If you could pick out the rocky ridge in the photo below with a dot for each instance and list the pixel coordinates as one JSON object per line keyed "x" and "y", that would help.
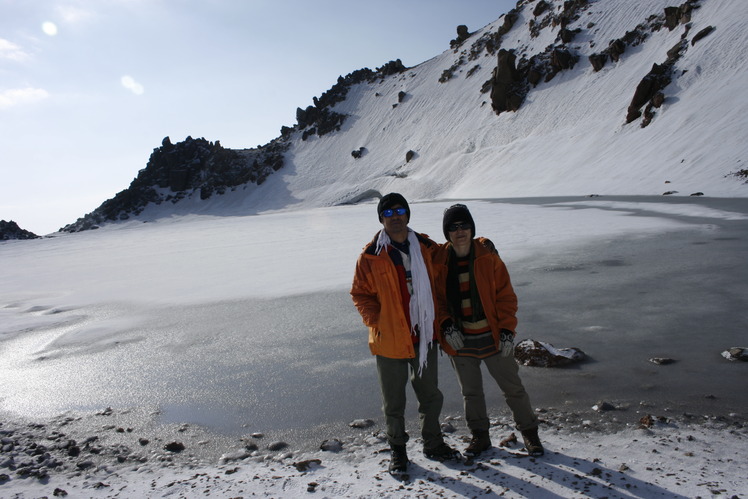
{"x": 10, "y": 230}
{"x": 205, "y": 168}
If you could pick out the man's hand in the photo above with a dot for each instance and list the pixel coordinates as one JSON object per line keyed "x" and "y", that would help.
{"x": 454, "y": 336}
{"x": 507, "y": 343}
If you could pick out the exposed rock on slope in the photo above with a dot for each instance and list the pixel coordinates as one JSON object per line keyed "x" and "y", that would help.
{"x": 175, "y": 171}
{"x": 320, "y": 119}
{"x": 11, "y": 230}
{"x": 198, "y": 166}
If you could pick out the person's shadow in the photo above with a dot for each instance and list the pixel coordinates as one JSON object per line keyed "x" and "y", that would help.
{"x": 553, "y": 476}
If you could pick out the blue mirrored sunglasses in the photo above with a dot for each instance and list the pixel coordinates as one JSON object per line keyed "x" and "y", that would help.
{"x": 396, "y": 211}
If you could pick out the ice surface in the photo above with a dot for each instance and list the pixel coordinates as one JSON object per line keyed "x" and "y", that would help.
{"x": 240, "y": 322}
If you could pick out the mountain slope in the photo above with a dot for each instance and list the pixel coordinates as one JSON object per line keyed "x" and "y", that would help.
{"x": 433, "y": 131}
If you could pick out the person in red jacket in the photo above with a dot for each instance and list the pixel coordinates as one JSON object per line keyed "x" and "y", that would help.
{"x": 393, "y": 291}
{"x": 483, "y": 305}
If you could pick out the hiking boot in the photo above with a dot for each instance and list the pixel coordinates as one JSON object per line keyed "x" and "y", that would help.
{"x": 532, "y": 442}
{"x": 399, "y": 459}
{"x": 442, "y": 452}
{"x": 481, "y": 441}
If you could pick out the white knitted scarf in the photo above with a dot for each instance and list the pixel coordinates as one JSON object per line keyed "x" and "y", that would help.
{"x": 421, "y": 301}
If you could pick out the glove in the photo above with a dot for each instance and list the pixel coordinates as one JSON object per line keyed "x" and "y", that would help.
{"x": 507, "y": 343}
{"x": 454, "y": 337}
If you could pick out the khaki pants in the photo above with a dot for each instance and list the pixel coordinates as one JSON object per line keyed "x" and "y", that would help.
{"x": 393, "y": 378}
{"x": 506, "y": 373}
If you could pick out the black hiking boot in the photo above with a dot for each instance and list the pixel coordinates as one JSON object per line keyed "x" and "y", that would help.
{"x": 532, "y": 442}
{"x": 480, "y": 442}
{"x": 442, "y": 452}
{"x": 399, "y": 459}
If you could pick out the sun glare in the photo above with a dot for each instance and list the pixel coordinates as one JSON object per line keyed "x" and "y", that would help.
{"x": 49, "y": 28}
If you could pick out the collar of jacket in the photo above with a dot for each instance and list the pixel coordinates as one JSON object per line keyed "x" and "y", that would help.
{"x": 371, "y": 248}
{"x": 481, "y": 246}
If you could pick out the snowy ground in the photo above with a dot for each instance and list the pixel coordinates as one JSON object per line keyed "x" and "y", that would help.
{"x": 700, "y": 457}
{"x": 207, "y": 330}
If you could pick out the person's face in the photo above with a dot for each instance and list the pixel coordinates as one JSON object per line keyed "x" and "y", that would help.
{"x": 396, "y": 225}
{"x": 459, "y": 235}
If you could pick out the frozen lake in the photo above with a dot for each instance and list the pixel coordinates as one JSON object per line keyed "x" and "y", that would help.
{"x": 218, "y": 323}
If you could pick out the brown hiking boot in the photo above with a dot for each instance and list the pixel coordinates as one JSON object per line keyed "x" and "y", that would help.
{"x": 481, "y": 441}
{"x": 532, "y": 442}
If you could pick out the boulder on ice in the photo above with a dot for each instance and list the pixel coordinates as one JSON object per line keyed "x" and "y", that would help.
{"x": 540, "y": 354}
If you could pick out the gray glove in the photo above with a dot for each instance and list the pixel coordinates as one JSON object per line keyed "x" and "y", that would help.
{"x": 507, "y": 343}
{"x": 454, "y": 337}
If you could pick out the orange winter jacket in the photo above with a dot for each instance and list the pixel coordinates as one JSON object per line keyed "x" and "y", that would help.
{"x": 493, "y": 283}
{"x": 376, "y": 295}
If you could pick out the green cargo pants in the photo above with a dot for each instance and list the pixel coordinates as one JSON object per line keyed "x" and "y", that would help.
{"x": 393, "y": 378}
{"x": 506, "y": 373}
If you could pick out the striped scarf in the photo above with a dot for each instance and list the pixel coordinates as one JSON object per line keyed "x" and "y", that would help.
{"x": 421, "y": 301}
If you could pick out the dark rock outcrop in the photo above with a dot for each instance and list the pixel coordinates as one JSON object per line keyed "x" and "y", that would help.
{"x": 649, "y": 91}
{"x": 507, "y": 89}
{"x": 616, "y": 48}
{"x": 654, "y": 81}
{"x": 598, "y": 61}
{"x": 701, "y": 34}
{"x": 509, "y": 19}
{"x": 11, "y": 230}
{"x": 515, "y": 74}
{"x": 736, "y": 353}
{"x": 679, "y": 15}
{"x": 320, "y": 119}
{"x": 511, "y": 80}
{"x": 540, "y": 354}
{"x": 462, "y": 35}
{"x": 540, "y": 8}
{"x": 175, "y": 171}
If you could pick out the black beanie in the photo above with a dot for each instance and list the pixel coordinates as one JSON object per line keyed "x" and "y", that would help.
{"x": 390, "y": 200}
{"x": 457, "y": 213}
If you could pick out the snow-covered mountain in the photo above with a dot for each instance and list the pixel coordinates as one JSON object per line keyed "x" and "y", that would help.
{"x": 581, "y": 97}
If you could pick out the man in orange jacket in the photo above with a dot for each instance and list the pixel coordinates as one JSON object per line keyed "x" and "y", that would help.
{"x": 483, "y": 304}
{"x": 393, "y": 290}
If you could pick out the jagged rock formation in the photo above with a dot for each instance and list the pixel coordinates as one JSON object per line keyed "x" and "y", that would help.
{"x": 649, "y": 90}
{"x": 512, "y": 80}
{"x": 198, "y": 166}
{"x": 175, "y": 171}
{"x": 319, "y": 119}
{"x": 462, "y": 35}
{"x": 11, "y": 230}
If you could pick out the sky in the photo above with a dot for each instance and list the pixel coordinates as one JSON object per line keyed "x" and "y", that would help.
{"x": 89, "y": 88}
